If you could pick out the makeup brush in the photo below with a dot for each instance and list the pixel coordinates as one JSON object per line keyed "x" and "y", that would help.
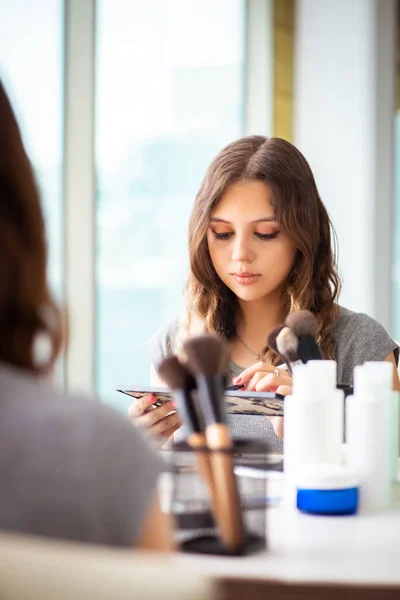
{"x": 271, "y": 339}
{"x": 304, "y": 325}
{"x": 288, "y": 346}
{"x": 271, "y": 342}
{"x": 182, "y": 383}
{"x": 207, "y": 358}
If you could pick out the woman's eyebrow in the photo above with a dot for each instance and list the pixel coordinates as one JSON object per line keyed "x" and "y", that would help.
{"x": 262, "y": 220}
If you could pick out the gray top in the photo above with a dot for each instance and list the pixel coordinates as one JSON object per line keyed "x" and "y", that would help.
{"x": 70, "y": 467}
{"x": 358, "y": 338}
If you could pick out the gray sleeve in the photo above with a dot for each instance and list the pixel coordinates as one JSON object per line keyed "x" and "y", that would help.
{"x": 127, "y": 478}
{"x": 163, "y": 342}
{"x": 362, "y": 339}
{"x": 372, "y": 340}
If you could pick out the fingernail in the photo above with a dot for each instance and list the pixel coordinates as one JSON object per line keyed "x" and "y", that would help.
{"x": 237, "y": 379}
{"x": 174, "y": 404}
{"x": 150, "y": 399}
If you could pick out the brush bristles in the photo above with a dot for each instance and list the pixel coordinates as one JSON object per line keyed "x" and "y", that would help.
{"x": 287, "y": 344}
{"x": 173, "y": 373}
{"x": 206, "y": 355}
{"x": 303, "y": 323}
{"x": 273, "y": 334}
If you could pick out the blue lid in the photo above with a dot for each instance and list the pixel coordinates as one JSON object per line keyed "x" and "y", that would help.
{"x": 328, "y": 502}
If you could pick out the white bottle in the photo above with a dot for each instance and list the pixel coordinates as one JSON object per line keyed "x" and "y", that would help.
{"x": 368, "y": 433}
{"x": 393, "y": 399}
{"x": 394, "y": 428}
{"x": 313, "y": 430}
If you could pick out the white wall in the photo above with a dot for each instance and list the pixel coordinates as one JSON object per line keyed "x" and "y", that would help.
{"x": 344, "y": 99}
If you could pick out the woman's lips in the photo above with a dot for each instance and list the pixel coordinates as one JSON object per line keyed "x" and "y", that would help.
{"x": 245, "y": 278}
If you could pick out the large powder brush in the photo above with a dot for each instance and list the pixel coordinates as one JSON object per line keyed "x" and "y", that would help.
{"x": 288, "y": 346}
{"x": 272, "y": 342}
{"x": 182, "y": 383}
{"x": 305, "y": 325}
{"x": 207, "y": 359}
{"x": 271, "y": 339}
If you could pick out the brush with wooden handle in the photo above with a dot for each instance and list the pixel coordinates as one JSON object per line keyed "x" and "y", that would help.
{"x": 182, "y": 384}
{"x": 207, "y": 358}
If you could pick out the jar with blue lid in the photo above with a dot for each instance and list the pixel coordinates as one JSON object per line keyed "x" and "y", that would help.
{"x": 327, "y": 489}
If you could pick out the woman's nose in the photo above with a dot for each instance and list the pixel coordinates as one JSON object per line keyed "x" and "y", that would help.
{"x": 242, "y": 251}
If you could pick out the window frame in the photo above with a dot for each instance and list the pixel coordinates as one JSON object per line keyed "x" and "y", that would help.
{"x": 79, "y": 163}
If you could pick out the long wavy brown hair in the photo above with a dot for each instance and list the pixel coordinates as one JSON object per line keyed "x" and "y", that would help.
{"x": 27, "y": 310}
{"x": 313, "y": 283}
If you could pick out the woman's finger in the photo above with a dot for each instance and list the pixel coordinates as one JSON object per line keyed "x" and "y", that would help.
{"x": 170, "y": 432}
{"x": 140, "y": 406}
{"x": 166, "y": 426}
{"x": 149, "y": 419}
{"x": 251, "y": 385}
{"x": 248, "y": 373}
{"x": 271, "y": 382}
{"x": 284, "y": 390}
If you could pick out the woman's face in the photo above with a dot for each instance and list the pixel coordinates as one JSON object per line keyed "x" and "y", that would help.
{"x": 249, "y": 252}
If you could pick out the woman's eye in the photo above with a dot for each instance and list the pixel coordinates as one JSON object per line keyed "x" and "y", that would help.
{"x": 222, "y": 236}
{"x": 226, "y": 235}
{"x": 267, "y": 236}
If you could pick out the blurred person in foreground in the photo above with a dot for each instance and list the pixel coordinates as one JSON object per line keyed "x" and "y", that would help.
{"x": 70, "y": 467}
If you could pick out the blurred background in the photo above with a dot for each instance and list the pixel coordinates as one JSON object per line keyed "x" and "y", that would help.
{"x": 124, "y": 103}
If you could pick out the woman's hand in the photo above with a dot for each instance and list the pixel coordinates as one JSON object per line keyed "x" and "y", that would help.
{"x": 158, "y": 423}
{"x": 262, "y": 377}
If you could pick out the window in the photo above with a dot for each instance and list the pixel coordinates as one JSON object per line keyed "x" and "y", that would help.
{"x": 31, "y": 68}
{"x": 169, "y": 95}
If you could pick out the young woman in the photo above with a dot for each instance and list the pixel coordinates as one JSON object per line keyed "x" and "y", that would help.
{"x": 70, "y": 468}
{"x": 260, "y": 245}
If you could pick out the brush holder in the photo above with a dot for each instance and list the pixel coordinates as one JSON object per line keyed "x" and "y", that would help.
{"x": 191, "y": 502}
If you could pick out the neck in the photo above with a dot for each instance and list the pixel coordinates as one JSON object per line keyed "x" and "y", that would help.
{"x": 256, "y": 319}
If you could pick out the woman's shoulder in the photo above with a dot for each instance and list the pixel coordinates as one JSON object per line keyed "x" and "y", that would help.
{"x": 350, "y": 323}
{"x": 163, "y": 342}
{"x": 69, "y": 426}
{"x": 359, "y": 338}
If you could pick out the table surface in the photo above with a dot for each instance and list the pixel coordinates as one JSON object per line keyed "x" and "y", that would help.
{"x": 363, "y": 549}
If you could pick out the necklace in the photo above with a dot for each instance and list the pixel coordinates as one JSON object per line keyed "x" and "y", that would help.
{"x": 257, "y": 355}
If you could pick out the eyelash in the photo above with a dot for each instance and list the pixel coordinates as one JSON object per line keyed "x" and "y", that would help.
{"x": 262, "y": 236}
